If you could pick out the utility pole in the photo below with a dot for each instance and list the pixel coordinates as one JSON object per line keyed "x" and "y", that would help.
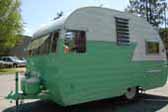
{"x": 150, "y": 11}
{"x": 165, "y": 18}
{"x": 147, "y": 17}
{"x": 165, "y": 7}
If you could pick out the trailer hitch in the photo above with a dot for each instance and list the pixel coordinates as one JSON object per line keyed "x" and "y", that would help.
{"x": 15, "y": 95}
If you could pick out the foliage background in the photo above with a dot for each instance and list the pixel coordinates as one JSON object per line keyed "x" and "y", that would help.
{"x": 10, "y": 24}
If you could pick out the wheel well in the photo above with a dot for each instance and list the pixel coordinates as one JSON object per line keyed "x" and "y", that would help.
{"x": 137, "y": 87}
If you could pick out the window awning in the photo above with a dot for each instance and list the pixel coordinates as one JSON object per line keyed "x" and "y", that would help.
{"x": 37, "y": 42}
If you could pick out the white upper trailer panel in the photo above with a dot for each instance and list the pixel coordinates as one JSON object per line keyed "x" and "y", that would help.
{"x": 100, "y": 24}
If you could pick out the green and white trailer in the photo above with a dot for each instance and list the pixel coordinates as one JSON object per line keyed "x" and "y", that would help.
{"x": 93, "y": 53}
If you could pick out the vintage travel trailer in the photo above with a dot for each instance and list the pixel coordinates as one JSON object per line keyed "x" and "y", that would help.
{"x": 91, "y": 54}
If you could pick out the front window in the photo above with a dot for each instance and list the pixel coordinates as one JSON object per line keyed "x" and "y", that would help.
{"x": 75, "y": 41}
{"x": 44, "y": 45}
{"x": 152, "y": 47}
{"x": 54, "y": 40}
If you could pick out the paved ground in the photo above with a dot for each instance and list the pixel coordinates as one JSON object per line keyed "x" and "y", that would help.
{"x": 153, "y": 101}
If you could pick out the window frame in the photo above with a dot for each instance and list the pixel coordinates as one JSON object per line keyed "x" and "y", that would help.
{"x": 53, "y": 48}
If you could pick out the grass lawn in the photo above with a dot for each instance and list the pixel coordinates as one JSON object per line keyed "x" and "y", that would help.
{"x": 11, "y": 70}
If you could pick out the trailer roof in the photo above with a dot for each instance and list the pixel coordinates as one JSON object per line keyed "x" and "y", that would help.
{"x": 59, "y": 23}
{"x": 50, "y": 27}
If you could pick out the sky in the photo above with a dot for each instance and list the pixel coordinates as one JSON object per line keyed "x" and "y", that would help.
{"x": 36, "y": 13}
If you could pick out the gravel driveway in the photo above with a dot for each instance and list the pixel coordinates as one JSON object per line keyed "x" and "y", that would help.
{"x": 152, "y": 101}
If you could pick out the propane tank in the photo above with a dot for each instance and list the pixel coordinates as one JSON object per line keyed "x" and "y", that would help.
{"x": 30, "y": 86}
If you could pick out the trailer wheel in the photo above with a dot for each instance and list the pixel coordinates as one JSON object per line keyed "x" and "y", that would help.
{"x": 131, "y": 93}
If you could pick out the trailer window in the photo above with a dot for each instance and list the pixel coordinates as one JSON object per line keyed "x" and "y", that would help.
{"x": 152, "y": 47}
{"x": 35, "y": 47}
{"x": 54, "y": 40}
{"x": 44, "y": 45}
{"x": 75, "y": 41}
{"x": 50, "y": 45}
{"x": 122, "y": 31}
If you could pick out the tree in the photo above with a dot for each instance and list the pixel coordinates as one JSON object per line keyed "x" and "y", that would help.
{"x": 164, "y": 36}
{"x": 153, "y": 10}
{"x": 10, "y": 23}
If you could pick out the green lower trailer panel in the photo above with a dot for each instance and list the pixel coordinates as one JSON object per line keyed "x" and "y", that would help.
{"x": 106, "y": 70}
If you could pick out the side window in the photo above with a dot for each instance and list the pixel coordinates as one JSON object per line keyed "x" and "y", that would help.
{"x": 75, "y": 41}
{"x": 8, "y": 59}
{"x": 152, "y": 47}
{"x": 122, "y": 31}
{"x": 3, "y": 59}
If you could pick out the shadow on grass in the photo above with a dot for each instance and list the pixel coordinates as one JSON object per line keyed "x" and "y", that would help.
{"x": 145, "y": 103}
{"x": 8, "y": 71}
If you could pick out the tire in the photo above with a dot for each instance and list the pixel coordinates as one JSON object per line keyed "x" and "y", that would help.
{"x": 131, "y": 93}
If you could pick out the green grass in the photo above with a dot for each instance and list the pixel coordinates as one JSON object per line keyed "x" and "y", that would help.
{"x": 10, "y": 70}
